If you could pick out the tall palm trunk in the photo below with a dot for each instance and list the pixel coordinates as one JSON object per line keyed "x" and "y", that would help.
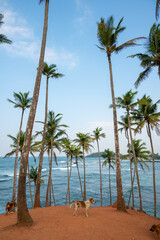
{"x": 16, "y": 160}
{"x": 154, "y": 179}
{"x": 50, "y": 175}
{"x": 135, "y": 163}
{"x": 30, "y": 189}
{"x": 53, "y": 193}
{"x": 110, "y": 185}
{"x": 23, "y": 216}
{"x": 120, "y": 197}
{"x": 67, "y": 179}
{"x": 100, "y": 172}
{"x": 84, "y": 167}
{"x": 131, "y": 172}
{"x": 131, "y": 189}
{"x": 38, "y": 184}
{"x": 79, "y": 177}
{"x": 68, "y": 187}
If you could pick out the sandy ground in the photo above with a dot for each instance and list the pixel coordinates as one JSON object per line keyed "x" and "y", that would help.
{"x": 58, "y": 223}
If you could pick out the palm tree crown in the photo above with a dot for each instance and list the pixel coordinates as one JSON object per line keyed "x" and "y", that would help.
{"x": 152, "y": 57}
{"x": 108, "y": 34}
{"x": 3, "y": 38}
{"x": 147, "y": 114}
{"x": 21, "y": 100}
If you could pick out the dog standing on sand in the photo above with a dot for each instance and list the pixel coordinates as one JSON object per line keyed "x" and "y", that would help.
{"x": 156, "y": 228}
{"x": 82, "y": 204}
{"x": 10, "y": 206}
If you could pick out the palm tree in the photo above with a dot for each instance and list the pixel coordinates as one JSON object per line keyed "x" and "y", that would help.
{"x": 23, "y": 216}
{"x": 33, "y": 148}
{"x": 96, "y": 136}
{"x": 22, "y": 101}
{"x": 107, "y": 36}
{"x": 54, "y": 136}
{"x": 3, "y": 38}
{"x": 49, "y": 72}
{"x": 33, "y": 174}
{"x": 70, "y": 152}
{"x": 78, "y": 155}
{"x": 109, "y": 158}
{"x": 157, "y": 8}
{"x": 84, "y": 140}
{"x": 127, "y": 102}
{"x": 151, "y": 58}
{"x": 142, "y": 156}
{"x": 147, "y": 114}
{"x": 125, "y": 127}
{"x": 65, "y": 145}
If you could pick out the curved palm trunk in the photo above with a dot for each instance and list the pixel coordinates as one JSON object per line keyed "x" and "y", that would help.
{"x": 154, "y": 179}
{"x": 23, "y": 216}
{"x": 84, "y": 167}
{"x": 135, "y": 163}
{"x": 79, "y": 177}
{"x": 110, "y": 185}
{"x": 38, "y": 184}
{"x": 30, "y": 189}
{"x": 68, "y": 187}
{"x": 120, "y": 197}
{"x": 131, "y": 172}
{"x": 100, "y": 172}
{"x": 16, "y": 161}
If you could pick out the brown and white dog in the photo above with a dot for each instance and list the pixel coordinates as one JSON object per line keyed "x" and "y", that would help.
{"x": 156, "y": 228}
{"x": 82, "y": 204}
{"x": 10, "y": 206}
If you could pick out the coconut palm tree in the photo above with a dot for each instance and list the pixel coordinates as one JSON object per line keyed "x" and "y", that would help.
{"x": 22, "y": 101}
{"x": 125, "y": 127}
{"x": 32, "y": 175}
{"x": 127, "y": 102}
{"x": 96, "y": 136}
{"x": 33, "y": 148}
{"x": 50, "y": 72}
{"x": 147, "y": 114}
{"x": 78, "y": 156}
{"x": 70, "y": 152}
{"x": 65, "y": 145}
{"x": 109, "y": 157}
{"x": 23, "y": 216}
{"x": 142, "y": 156}
{"x": 54, "y": 137}
{"x": 151, "y": 58}
{"x": 3, "y": 38}
{"x": 84, "y": 140}
{"x": 108, "y": 36}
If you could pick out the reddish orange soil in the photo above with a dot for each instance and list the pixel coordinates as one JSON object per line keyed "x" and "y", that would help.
{"x": 58, "y": 223}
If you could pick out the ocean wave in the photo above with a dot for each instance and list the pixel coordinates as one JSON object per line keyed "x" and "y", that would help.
{"x": 4, "y": 179}
{"x": 44, "y": 169}
{"x": 62, "y": 169}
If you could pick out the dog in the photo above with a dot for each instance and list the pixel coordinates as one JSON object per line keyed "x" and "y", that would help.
{"x": 156, "y": 228}
{"x": 82, "y": 204}
{"x": 10, "y": 206}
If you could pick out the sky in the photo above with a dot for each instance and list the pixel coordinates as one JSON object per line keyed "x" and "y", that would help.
{"x": 83, "y": 95}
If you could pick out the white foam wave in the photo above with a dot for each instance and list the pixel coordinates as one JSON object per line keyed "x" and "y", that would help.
{"x": 44, "y": 169}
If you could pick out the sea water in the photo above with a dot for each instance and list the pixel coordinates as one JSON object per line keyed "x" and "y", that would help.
{"x": 59, "y": 179}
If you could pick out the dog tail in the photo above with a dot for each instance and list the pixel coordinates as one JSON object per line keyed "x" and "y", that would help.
{"x": 71, "y": 204}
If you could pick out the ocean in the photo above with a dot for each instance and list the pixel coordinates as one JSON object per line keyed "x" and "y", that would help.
{"x": 59, "y": 178}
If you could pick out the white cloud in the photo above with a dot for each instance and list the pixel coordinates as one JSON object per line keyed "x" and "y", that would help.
{"x": 26, "y": 44}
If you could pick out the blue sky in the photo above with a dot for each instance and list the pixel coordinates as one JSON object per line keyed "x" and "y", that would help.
{"x": 83, "y": 94}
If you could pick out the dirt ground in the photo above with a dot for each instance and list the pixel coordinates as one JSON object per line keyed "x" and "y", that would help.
{"x": 58, "y": 223}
